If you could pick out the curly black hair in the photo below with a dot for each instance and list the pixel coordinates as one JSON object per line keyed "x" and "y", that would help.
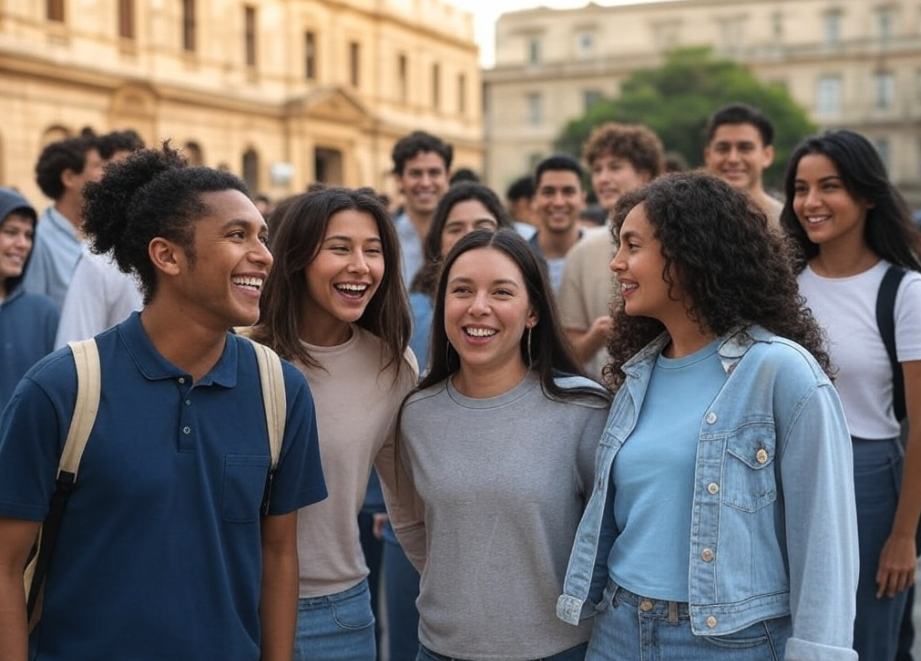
{"x": 419, "y": 142}
{"x": 153, "y": 193}
{"x": 61, "y": 155}
{"x": 733, "y": 270}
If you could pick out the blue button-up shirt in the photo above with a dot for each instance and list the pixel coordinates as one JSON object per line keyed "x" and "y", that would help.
{"x": 54, "y": 256}
{"x": 773, "y": 529}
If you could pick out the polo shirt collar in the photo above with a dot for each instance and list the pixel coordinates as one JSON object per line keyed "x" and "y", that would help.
{"x": 155, "y": 367}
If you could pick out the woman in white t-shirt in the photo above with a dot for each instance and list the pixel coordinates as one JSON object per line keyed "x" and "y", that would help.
{"x": 334, "y": 304}
{"x": 851, "y": 225}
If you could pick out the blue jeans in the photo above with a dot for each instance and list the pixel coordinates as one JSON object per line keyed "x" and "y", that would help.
{"x": 633, "y": 628}
{"x": 576, "y": 653}
{"x": 401, "y": 588}
{"x": 336, "y": 627}
{"x": 877, "y": 482}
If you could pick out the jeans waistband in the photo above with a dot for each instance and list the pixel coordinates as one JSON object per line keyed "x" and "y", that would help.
{"x": 325, "y": 600}
{"x": 674, "y": 611}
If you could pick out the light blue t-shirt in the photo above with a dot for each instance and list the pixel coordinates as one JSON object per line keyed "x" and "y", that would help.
{"x": 55, "y": 252}
{"x": 653, "y": 477}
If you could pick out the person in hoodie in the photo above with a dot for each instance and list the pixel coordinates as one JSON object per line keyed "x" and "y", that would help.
{"x": 28, "y": 322}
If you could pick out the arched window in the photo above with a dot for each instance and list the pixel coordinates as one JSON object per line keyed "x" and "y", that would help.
{"x": 251, "y": 170}
{"x": 193, "y": 153}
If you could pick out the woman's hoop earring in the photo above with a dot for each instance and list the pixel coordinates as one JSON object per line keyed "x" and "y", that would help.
{"x": 530, "y": 362}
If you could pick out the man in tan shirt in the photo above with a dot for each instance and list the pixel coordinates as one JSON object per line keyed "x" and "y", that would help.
{"x": 621, "y": 158}
{"x": 739, "y": 149}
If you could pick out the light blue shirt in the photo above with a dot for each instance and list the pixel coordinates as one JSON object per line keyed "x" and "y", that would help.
{"x": 773, "y": 519}
{"x": 653, "y": 477}
{"x": 410, "y": 248}
{"x": 54, "y": 256}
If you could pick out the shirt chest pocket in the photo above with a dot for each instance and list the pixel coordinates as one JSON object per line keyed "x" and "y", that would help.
{"x": 243, "y": 487}
{"x": 748, "y": 468}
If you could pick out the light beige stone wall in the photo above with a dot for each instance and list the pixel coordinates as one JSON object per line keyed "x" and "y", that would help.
{"x": 59, "y": 77}
{"x": 781, "y": 40}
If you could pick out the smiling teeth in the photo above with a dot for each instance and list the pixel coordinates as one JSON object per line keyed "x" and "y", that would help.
{"x": 255, "y": 283}
{"x": 351, "y": 287}
{"x": 480, "y": 332}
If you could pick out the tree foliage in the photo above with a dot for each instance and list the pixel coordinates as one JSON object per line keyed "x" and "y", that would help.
{"x": 676, "y": 99}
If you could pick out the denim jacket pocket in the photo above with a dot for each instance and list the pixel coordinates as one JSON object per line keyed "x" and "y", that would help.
{"x": 749, "y": 483}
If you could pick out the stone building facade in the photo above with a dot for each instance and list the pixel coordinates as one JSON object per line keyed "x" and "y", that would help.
{"x": 282, "y": 92}
{"x": 851, "y": 63}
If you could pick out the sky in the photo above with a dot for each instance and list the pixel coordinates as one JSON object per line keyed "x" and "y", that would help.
{"x": 486, "y": 12}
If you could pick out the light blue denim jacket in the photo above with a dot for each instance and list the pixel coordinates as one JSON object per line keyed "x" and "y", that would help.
{"x": 773, "y": 529}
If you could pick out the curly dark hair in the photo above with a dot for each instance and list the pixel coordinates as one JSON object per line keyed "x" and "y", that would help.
{"x": 113, "y": 142}
{"x": 419, "y": 142}
{"x": 634, "y": 142}
{"x": 889, "y": 230}
{"x": 296, "y": 238}
{"x": 61, "y": 155}
{"x": 733, "y": 270}
{"x": 152, "y": 193}
{"x": 426, "y": 279}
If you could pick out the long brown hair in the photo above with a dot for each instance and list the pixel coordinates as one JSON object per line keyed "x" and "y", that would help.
{"x": 297, "y": 235}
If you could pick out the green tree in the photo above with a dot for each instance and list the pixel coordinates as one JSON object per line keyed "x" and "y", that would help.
{"x": 675, "y": 100}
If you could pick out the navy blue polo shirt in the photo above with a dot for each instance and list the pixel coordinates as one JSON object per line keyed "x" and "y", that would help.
{"x": 159, "y": 554}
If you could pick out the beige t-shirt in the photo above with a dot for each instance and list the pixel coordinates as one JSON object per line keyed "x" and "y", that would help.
{"x": 356, "y": 406}
{"x": 587, "y": 288}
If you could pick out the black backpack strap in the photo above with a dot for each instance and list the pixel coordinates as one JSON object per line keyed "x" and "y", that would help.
{"x": 885, "y": 321}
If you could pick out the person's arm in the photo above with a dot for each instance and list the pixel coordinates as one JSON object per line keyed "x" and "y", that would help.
{"x": 816, "y": 468}
{"x": 897, "y": 561}
{"x": 586, "y": 343}
{"x": 16, "y": 539}
{"x": 404, "y": 507}
{"x": 278, "y": 596}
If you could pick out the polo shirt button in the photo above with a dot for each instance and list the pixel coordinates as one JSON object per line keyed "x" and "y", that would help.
{"x": 188, "y": 402}
{"x": 711, "y": 418}
{"x": 181, "y": 379}
{"x": 713, "y": 488}
{"x": 706, "y": 555}
{"x": 186, "y": 430}
{"x": 645, "y": 605}
{"x": 711, "y": 621}
{"x": 761, "y": 455}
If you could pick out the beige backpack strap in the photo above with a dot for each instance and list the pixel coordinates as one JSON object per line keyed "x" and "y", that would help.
{"x": 89, "y": 384}
{"x": 273, "y": 397}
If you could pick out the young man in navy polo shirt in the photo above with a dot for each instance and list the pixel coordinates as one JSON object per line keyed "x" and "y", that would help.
{"x": 174, "y": 544}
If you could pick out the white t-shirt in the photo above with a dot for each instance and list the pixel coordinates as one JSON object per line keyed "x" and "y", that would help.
{"x": 846, "y": 310}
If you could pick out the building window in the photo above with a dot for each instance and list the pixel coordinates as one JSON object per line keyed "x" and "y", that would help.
{"x": 777, "y": 24}
{"x": 249, "y": 28}
{"x": 885, "y": 90}
{"x": 585, "y": 44}
{"x": 535, "y": 109}
{"x": 590, "y": 98}
{"x": 54, "y": 10}
{"x": 251, "y": 170}
{"x": 193, "y": 153}
{"x": 436, "y": 86}
{"x": 885, "y": 155}
{"x": 832, "y": 28}
{"x": 188, "y": 25}
{"x": 402, "y": 70}
{"x": 310, "y": 55}
{"x": 461, "y": 94}
{"x": 126, "y": 19}
{"x": 534, "y": 50}
{"x": 885, "y": 24}
{"x": 354, "y": 63}
{"x": 828, "y": 96}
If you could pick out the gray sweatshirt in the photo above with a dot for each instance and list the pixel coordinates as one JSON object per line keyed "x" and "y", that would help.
{"x": 500, "y": 485}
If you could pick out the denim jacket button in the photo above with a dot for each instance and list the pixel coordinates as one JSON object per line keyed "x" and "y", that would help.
{"x": 706, "y": 555}
{"x": 711, "y": 418}
{"x": 761, "y": 456}
{"x": 711, "y": 621}
{"x": 713, "y": 488}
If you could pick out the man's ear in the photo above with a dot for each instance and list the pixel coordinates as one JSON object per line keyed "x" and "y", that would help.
{"x": 166, "y": 256}
{"x": 69, "y": 178}
{"x": 768, "y": 156}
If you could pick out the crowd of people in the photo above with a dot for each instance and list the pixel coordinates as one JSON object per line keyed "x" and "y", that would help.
{"x": 691, "y": 431}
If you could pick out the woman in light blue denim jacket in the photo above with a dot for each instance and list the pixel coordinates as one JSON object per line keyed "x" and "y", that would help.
{"x": 722, "y": 523}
